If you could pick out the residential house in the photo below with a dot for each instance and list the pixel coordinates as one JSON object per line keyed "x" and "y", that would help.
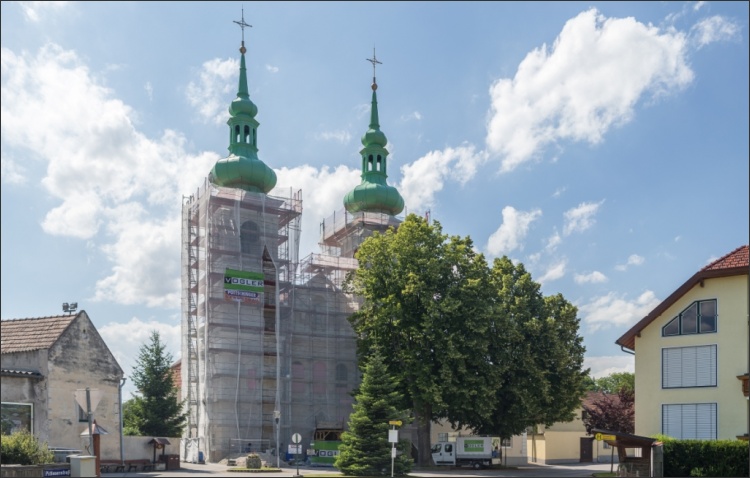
{"x": 691, "y": 356}
{"x": 44, "y": 362}
{"x": 568, "y": 442}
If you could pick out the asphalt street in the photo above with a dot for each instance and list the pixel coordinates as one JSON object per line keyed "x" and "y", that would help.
{"x": 531, "y": 470}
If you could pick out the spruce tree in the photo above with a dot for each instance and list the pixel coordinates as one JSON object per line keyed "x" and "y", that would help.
{"x": 365, "y": 450}
{"x": 155, "y": 409}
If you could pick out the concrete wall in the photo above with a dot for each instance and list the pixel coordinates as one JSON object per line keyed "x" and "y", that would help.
{"x": 731, "y": 294}
{"x": 138, "y": 448}
{"x": 80, "y": 359}
{"x": 28, "y": 390}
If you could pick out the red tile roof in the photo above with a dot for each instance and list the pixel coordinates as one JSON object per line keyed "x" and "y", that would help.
{"x": 734, "y": 263}
{"x": 736, "y": 258}
{"x": 25, "y": 335}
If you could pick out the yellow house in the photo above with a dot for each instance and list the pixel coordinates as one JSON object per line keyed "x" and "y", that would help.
{"x": 691, "y": 356}
{"x": 568, "y": 442}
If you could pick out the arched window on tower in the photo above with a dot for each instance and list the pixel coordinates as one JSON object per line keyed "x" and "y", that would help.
{"x": 247, "y": 134}
{"x": 249, "y": 236}
{"x": 237, "y": 133}
{"x": 377, "y": 166}
{"x": 369, "y": 163}
{"x": 255, "y": 137}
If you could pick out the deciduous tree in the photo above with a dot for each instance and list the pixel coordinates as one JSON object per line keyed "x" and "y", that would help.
{"x": 610, "y": 411}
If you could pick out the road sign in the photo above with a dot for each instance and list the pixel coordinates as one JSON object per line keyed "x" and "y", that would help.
{"x": 295, "y": 449}
{"x": 392, "y": 436}
{"x": 395, "y": 422}
{"x": 600, "y": 437}
{"x": 94, "y": 395}
{"x": 296, "y": 438}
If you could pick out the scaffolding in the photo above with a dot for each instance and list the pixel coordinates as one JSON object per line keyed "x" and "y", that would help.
{"x": 292, "y": 349}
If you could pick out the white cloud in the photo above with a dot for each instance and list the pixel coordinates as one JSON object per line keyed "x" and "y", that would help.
{"x": 713, "y": 29}
{"x": 552, "y": 242}
{"x": 698, "y": 5}
{"x": 613, "y": 311}
{"x": 511, "y": 233}
{"x": 594, "y": 277}
{"x": 426, "y": 176}
{"x": 633, "y": 260}
{"x": 340, "y": 136}
{"x": 558, "y": 192}
{"x": 124, "y": 340}
{"x": 33, "y": 10}
{"x": 208, "y": 94}
{"x": 11, "y": 172}
{"x": 416, "y": 115}
{"x": 272, "y": 69}
{"x": 581, "y": 217}
{"x": 323, "y": 191}
{"x": 149, "y": 90}
{"x": 554, "y": 272}
{"x": 589, "y": 81}
{"x": 104, "y": 172}
{"x": 603, "y": 366}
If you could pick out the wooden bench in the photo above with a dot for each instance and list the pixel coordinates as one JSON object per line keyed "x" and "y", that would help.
{"x": 145, "y": 465}
{"x": 111, "y": 466}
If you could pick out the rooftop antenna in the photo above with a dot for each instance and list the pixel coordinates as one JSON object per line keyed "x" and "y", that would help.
{"x": 242, "y": 25}
{"x": 69, "y": 308}
{"x": 374, "y": 61}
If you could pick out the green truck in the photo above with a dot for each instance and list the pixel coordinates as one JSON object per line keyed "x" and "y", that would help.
{"x": 323, "y": 453}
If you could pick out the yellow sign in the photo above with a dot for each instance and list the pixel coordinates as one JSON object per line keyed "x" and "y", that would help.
{"x": 601, "y": 437}
{"x": 395, "y": 422}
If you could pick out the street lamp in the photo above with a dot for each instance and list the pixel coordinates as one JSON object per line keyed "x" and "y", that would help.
{"x": 276, "y": 417}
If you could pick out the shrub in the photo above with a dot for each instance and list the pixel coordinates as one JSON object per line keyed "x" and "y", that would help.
{"x": 22, "y": 448}
{"x": 253, "y": 462}
{"x": 705, "y": 457}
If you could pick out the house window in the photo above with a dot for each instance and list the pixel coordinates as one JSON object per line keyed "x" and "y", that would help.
{"x": 698, "y": 318}
{"x": 507, "y": 443}
{"x": 683, "y": 367}
{"x": 689, "y": 421}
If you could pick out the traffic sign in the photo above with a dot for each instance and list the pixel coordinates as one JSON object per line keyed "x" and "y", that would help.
{"x": 600, "y": 437}
{"x": 296, "y": 438}
{"x": 395, "y": 422}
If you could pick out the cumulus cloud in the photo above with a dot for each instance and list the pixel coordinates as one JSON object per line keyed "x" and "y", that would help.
{"x": 11, "y": 172}
{"x": 604, "y": 365}
{"x": 713, "y": 29}
{"x": 554, "y": 272}
{"x": 33, "y": 11}
{"x": 633, "y": 260}
{"x": 272, "y": 69}
{"x": 594, "y": 277}
{"x": 581, "y": 217}
{"x": 88, "y": 139}
{"x": 612, "y": 310}
{"x": 426, "y": 176}
{"x": 416, "y": 115}
{"x": 587, "y": 82}
{"x": 511, "y": 233}
{"x": 208, "y": 93}
{"x": 124, "y": 340}
{"x": 322, "y": 193}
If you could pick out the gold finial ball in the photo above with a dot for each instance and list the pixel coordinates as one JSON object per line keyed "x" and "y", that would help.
{"x": 243, "y": 49}
{"x": 374, "y": 86}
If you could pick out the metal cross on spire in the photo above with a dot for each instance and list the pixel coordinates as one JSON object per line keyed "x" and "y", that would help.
{"x": 242, "y": 25}
{"x": 374, "y": 62}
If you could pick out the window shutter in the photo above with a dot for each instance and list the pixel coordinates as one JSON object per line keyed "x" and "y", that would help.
{"x": 706, "y": 366}
{"x": 689, "y": 366}
{"x": 672, "y": 420}
{"x": 671, "y": 368}
{"x": 689, "y": 421}
{"x": 705, "y": 421}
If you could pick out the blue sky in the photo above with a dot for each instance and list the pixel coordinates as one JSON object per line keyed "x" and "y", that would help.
{"x": 602, "y": 144}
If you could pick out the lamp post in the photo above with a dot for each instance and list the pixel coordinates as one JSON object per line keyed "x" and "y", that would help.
{"x": 276, "y": 417}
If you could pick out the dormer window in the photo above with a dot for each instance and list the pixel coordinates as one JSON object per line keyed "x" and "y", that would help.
{"x": 698, "y": 318}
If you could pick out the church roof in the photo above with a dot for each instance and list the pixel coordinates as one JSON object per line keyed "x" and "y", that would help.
{"x": 25, "y": 335}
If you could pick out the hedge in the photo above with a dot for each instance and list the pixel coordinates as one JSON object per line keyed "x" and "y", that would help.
{"x": 705, "y": 457}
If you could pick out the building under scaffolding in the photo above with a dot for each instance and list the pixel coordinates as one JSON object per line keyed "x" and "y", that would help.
{"x": 267, "y": 348}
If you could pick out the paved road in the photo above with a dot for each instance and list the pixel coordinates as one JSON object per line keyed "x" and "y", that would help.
{"x": 193, "y": 471}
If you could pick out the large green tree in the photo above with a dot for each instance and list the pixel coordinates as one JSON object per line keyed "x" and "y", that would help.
{"x": 426, "y": 299}
{"x": 612, "y": 383}
{"x": 365, "y": 449}
{"x": 154, "y": 410}
{"x": 538, "y": 352}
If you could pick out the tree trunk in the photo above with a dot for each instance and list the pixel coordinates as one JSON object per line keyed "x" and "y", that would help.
{"x": 422, "y": 414}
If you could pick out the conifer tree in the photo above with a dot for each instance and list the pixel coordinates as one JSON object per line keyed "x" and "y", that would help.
{"x": 365, "y": 450}
{"x": 155, "y": 410}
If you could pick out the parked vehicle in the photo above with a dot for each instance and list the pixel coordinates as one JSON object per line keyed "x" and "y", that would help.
{"x": 473, "y": 451}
